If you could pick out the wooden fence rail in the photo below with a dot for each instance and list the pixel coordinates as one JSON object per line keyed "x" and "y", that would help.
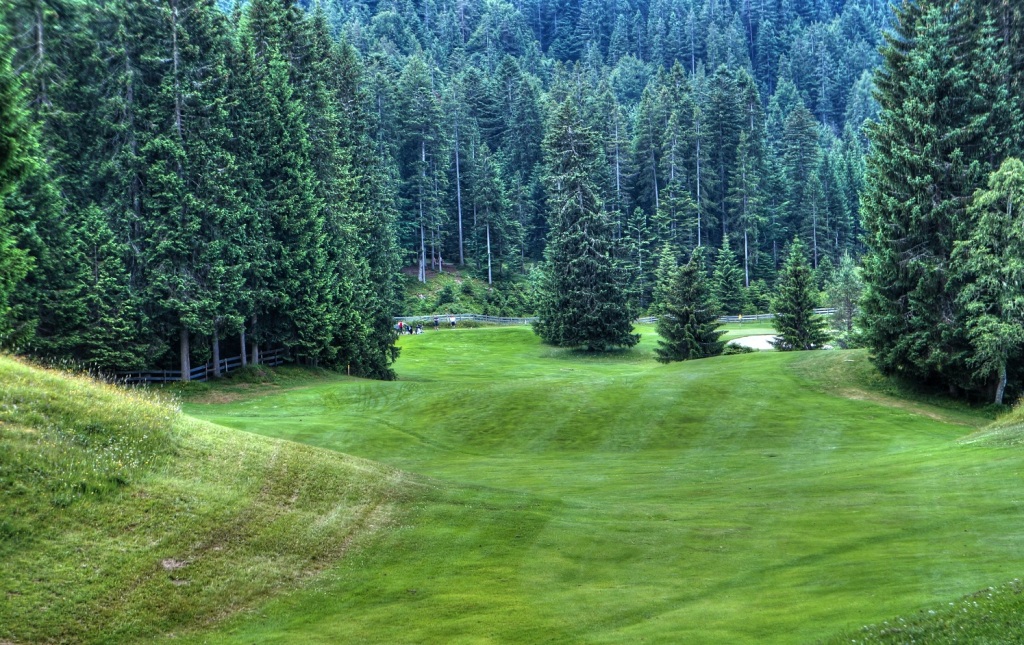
{"x": 270, "y": 358}
{"x": 503, "y": 320}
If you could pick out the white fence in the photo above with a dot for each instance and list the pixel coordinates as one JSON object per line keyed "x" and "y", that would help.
{"x": 503, "y": 320}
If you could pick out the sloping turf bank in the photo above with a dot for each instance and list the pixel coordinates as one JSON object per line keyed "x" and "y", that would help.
{"x": 124, "y": 520}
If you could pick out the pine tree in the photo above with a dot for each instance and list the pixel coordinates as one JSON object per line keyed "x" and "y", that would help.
{"x": 665, "y": 272}
{"x": 688, "y": 319}
{"x": 14, "y": 130}
{"x": 745, "y": 200}
{"x": 727, "y": 282}
{"x": 793, "y": 305}
{"x": 931, "y": 149}
{"x": 421, "y": 151}
{"x": 991, "y": 278}
{"x": 583, "y": 306}
{"x": 844, "y": 291}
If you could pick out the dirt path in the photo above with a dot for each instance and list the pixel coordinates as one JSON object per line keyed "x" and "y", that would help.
{"x": 760, "y": 343}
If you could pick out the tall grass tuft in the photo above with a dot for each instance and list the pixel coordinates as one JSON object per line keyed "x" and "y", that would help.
{"x": 65, "y": 437}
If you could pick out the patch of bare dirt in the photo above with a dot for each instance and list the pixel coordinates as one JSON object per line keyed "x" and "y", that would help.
{"x": 172, "y": 564}
{"x": 856, "y": 394}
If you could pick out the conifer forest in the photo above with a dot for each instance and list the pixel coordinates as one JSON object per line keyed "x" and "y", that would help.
{"x": 193, "y": 178}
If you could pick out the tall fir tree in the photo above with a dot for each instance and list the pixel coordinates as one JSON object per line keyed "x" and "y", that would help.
{"x": 918, "y": 185}
{"x": 727, "y": 282}
{"x": 583, "y": 305}
{"x": 14, "y": 131}
{"x": 990, "y": 265}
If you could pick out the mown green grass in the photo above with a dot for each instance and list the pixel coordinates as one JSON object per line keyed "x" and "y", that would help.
{"x": 121, "y": 520}
{"x": 760, "y": 498}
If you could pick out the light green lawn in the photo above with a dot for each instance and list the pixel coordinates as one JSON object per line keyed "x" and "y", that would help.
{"x": 760, "y": 498}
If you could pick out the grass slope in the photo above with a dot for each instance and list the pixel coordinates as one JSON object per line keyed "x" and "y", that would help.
{"x": 123, "y": 520}
{"x": 762, "y": 498}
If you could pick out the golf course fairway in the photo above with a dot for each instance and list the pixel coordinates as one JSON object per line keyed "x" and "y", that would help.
{"x": 567, "y": 498}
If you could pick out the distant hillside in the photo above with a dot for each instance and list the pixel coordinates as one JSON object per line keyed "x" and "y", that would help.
{"x": 125, "y": 520}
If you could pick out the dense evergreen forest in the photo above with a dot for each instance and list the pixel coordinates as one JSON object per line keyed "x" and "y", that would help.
{"x": 189, "y": 175}
{"x": 254, "y": 174}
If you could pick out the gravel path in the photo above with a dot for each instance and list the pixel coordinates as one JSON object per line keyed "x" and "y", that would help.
{"x": 759, "y": 343}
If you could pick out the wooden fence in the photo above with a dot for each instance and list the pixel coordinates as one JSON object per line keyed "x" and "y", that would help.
{"x": 270, "y": 358}
{"x": 502, "y": 320}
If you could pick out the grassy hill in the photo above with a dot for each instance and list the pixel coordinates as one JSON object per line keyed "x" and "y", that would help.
{"x": 559, "y": 497}
{"x": 761, "y": 498}
{"x": 124, "y": 520}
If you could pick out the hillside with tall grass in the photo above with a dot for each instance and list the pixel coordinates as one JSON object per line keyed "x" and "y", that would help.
{"x": 124, "y": 520}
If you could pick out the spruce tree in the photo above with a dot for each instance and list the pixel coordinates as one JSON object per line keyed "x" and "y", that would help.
{"x": 688, "y": 319}
{"x": 941, "y": 100}
{"x": 14, "y": 131}
{"x": 844, "y": 292}
{"x": 990, "y": 266}
{"x": 583, "y": 305}
{"x": 664, "y": 274}
{"x": 727, "y": 282}
{"x": 793, "y": 305}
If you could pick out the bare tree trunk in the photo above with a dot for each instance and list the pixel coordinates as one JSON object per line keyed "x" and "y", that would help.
{"x": 245, "y": 357}
{"x": 176, "y": 60}
{"x": 746, "y": 263}
{"x": 423, "y": 235}
{"x": 654, "y": 166}
{"x": 423, "y": 253}
{"x": 216, "y": 352}
{"x": 699, "y": 197}
{"x": 255, "y": 348}
{"x": 186, "y": 364}
{"x": 458, "y": 195}
{"x": 43, "y": 98}
{"x": 814, "y": 233}
{"x": 489, "y": 281}
{"x": 1001, "y": 388}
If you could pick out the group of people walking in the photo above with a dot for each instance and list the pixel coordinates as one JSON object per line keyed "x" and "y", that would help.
{"x": 403, "y": 327}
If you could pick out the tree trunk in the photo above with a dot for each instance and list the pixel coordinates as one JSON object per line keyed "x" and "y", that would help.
{"x": 654, "y": 166}
{"x": 746, "y": 262}
{"x": 489, "y": 281}
{"x": 216, "y": 352}
{"x": 423, "y": 234}
{"x": 458, "y": 195}
{"x": 255, "y": 349}
{"x": 1001, "y": 388}
{"x": 814, "y": 233}
{"x": 186, "y": 364}
{"x": 423, "y": 254}
{"x": 698, "y": 183}
{"x": 245, "y": 357}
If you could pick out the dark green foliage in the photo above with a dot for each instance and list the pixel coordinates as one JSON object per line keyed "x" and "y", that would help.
{"x": 582, "y": 305}
{"x": 844, "y": 291}
{"x": 990, "y": 278}
{"x": 727, "y": 282}
{"x": 14, "y": 163}
{"x": 258, "y": 173}
{"x": 688, "y": 320}
{"x": 945, "y": 121}
{"x": 793, "y": 305}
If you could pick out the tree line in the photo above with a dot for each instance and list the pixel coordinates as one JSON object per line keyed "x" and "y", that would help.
{"x": 198, "y": 175}
{"x": 193, "y": 182}
{"x": 942, "y": 199}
